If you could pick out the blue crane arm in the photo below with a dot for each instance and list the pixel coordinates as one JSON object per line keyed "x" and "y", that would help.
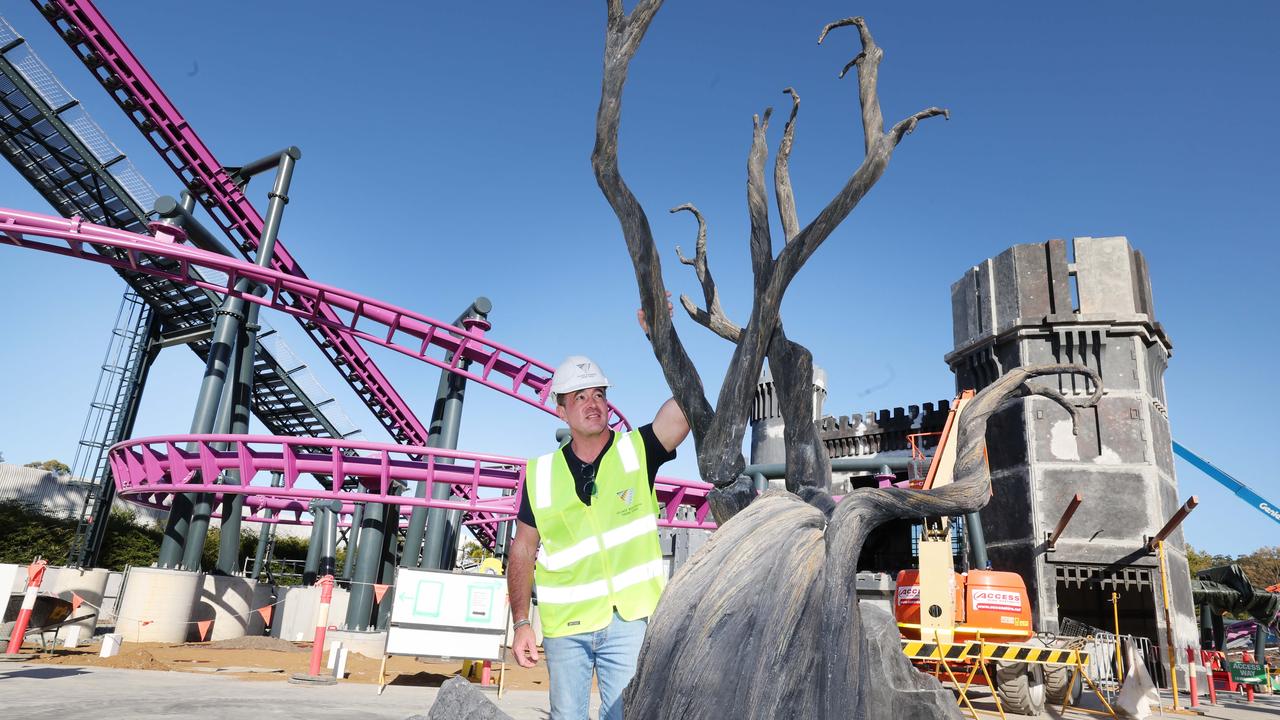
{"x": 1244, "y": 492}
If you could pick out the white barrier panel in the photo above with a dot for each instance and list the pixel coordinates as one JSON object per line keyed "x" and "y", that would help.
{"x": 443, "y": 614}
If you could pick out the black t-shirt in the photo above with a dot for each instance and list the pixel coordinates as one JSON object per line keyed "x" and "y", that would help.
{"x": 655, "y": 455}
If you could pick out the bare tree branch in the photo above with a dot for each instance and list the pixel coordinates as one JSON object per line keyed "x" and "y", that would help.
{"x": 792, "y": 367}
{"x": 908, "y": 125}
{"x": 782, "y": 173}
{"x": 868, "y": 63}
{"x": 622, "y": 37}
{"x": 713, "y": 318}
{"x": 757, "y": 204}
{"x": 879, "y": 151}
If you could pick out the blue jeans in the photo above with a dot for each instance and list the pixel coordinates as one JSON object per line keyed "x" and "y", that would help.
{"x": 610, "y": 652}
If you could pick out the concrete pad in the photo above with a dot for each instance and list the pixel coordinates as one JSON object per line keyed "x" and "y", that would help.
{"x": 82, "y": 693}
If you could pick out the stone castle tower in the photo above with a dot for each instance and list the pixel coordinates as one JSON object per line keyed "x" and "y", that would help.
{"x": 1036, "y": 304}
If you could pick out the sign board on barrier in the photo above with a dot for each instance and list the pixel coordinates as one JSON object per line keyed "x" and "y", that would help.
{"x": 446, "y": 614}
{"x": 1247, "y": 672}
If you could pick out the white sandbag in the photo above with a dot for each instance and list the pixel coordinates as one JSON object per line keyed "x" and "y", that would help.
{"x": 1138, "y": 694}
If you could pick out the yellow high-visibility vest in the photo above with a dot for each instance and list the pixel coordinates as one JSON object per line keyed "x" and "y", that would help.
{"x": 599, "y": 557}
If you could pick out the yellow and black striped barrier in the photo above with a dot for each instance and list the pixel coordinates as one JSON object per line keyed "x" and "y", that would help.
{"x": 1030, "y": 654}
{"x": 920, "y": 650}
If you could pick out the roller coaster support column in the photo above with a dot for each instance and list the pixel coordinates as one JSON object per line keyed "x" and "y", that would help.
{"x": 193, "y": 551}
{"x": 368, "y": 563}
{"x": 390, "y": 556}
{"x": 264, "y": 536}
{"x": 446, "y": 418}
{"x": 1206, "y": 627}
{"x": 353, "y": 541}
{"x": 175, "y": 551}
{"x": 241, "y": 402}
{"x": 315, "y": 545}
{"x": 329, "y": 536}
{"x": 175, "y": 547}
{"x": 1260, "y": 642}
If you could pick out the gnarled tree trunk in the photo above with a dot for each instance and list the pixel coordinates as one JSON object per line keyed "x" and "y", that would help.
{"x": 763, "y": 622}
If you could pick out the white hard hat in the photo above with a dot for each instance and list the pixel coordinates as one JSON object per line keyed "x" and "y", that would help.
{"x": 575, "y": 373}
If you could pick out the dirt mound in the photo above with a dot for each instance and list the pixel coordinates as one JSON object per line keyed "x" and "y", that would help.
{"x": 133, "y": 660}
{"x": 256, "y": 643}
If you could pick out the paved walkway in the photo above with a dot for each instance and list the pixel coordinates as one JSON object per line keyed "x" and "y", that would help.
{"x": 84, "y": 693}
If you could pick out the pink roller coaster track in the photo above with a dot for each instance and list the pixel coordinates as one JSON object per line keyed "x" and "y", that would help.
{"x": 151, "y": 470}
{"x": 334, "y": 318}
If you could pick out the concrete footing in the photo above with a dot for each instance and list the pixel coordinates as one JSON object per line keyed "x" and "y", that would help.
{"x": 157, "y": 605}
{"x": 295, "y": 615}
{"x": 225, "y": 601}
{"x": 90, "y": 585}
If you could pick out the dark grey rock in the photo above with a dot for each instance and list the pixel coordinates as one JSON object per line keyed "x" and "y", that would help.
{"x": 897, "y": 690}
{"x": 460, "y": 700}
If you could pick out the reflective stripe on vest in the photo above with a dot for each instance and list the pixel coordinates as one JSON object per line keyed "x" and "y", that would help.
{"x": 599, "y": 557}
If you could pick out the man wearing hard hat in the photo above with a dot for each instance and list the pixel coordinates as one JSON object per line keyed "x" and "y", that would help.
{"x": 592, "y": 506}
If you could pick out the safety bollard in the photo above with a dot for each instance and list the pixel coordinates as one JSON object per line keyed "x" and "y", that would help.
{"x": 313, "y": 676}
{"x": 35, "y": 575}
{"x": 322, "y": 622}
{"x": 1213, "y": 685}
{"x": 1192, "y": 668}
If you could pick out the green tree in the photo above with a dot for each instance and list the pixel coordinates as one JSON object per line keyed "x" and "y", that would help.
{"x": 1262, "y": 566}
{"x": 1198, "y": 560}
{"x": 54, "y": 466}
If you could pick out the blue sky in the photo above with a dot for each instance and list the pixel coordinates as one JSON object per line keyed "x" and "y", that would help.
{"x": 446, "y": 155}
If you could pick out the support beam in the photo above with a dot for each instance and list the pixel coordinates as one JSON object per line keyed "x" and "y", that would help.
{"x": 267, "y": 529}
{"x": 353, "y": 541}
{"x": 315, "y": 544}
{"x": 446, "y": 421}
{"x": 390, "y": 558}
{"x": 368, "y": 565}
{"x": 180, "y": 529}
{"x": 1062, "y": 521}
{"x": 1173, "y": 523}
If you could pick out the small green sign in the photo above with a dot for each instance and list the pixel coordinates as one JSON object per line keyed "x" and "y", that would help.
{"x": 1247, "y": 672}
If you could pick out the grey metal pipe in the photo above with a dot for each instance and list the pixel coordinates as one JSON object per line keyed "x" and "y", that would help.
{"x": 977, "y": 541}
{"x": 452, "y": 535}
{"x": 446, "y": 421}
{"x": 329, "y": 551}
{"x": 390, "y": 556}
{"x": 315, "y": 544}
{"x": 854, "y": 464}
{"x": 172, "y": 212}
{"x": 260, "y": 555}
{"x": 226, "y": 329}
{"x": 368, "y": 565}
{"x": 202, "y": 509}
{"x": 217, "y": 367}
{"x": 241, "y": 399}
{"x": 353, "y": 540}
{"x": 1206, "y": 627}
{"x": 266, "y": 162}
{"x": 277, "y": 199}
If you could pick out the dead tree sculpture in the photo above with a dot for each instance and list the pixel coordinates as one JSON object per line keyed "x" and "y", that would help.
{"x": 763, "y": 622}
{"x": 718, "y": 432}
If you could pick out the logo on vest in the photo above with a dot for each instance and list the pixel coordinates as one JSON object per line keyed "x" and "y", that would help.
{"x": 627, "y": 496}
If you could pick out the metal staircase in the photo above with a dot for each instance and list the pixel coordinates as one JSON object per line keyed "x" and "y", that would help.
{"x": 110, "y": 420}
{"x": 58, "y": 148}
